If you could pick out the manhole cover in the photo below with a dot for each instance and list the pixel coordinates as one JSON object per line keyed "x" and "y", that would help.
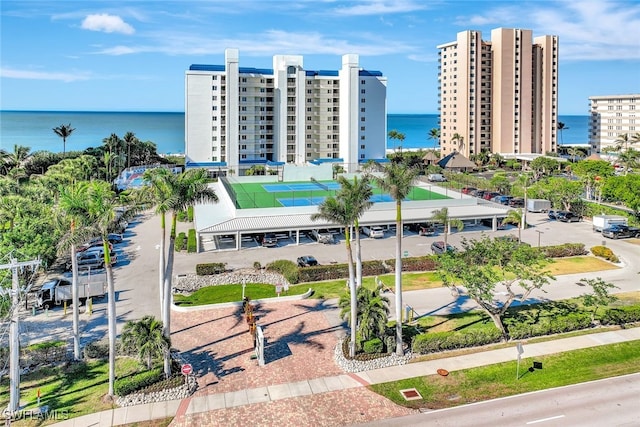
{"x": 443, "y": 372}
{"x": 410, "y": 394}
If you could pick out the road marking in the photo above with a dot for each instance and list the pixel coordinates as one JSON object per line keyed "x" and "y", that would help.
{"x": 545, "y": 419}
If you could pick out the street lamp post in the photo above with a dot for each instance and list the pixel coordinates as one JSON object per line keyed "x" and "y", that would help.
{"x": 539, "y": 233}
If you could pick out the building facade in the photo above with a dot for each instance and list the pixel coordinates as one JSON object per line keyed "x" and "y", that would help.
{"x": 499, "y": 95}
{"x": 612, "y": 117}
{"x": 238, "y": 117}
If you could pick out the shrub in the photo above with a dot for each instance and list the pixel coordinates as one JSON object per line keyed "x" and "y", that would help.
{"x": 190, "y": 214}
{"x": 287, "y": 268}
{"x": 171, "y": 382}
{"x": 337, "y": 271}
{"x": 192, "y": 244}
{"x": 373, "y": 346}
{"x": 621, "y": 316}
{"x": 604, "y": 252}
{"x": 565, "y": 250}
{"x": 441, "y": 341}
{"x": 181, "y": 241}
{"x": 210, "y": 268}
{"x": 96, "y": 350}
{"x": 422, "y": 263}
{"x": 135, "y": 382}
{"x": 558, "y": 324}
{"x": 257, "y": 265}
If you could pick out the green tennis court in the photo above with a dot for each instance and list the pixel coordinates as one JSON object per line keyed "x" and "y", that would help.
{"x": 305, "y": 193}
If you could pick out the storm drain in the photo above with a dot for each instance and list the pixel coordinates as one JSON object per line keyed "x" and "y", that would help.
{"x": 410, "y": 394}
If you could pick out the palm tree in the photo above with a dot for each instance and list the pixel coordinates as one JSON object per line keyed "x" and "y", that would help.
{"x": 372, "y": 312}
{"x": 101, "y": 209}
{"x": 72, "y": 202}
{"x": 359, "y": 193}
{"x": 187, "y": 189}
{"x": 629, "y": 158}
{"x": 574, "y": 152}
{"x": 146, "y": 338}
{"x": 341, "y": 211}
{"x": 129, "y": 139}
{"x": 18, "y": 158}
{"x": 398, "y": 181}
{"x": 562, "y": 127}
{"x": 399, "y": 136}
{"x": 64, "y": 132}
{"x": 442, "y": 216}
{"x": 622, "y": 142}
{"x": 457, "y": 137}
{"x": 434, "y": 133}
{"x": 113, "y": 144}
{"x": 514, "y": 216}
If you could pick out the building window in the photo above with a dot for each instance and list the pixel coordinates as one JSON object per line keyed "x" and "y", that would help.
{"x": 362, "y": 147}
{"x": 362, "y": 82}
{"x": 362, "y": 119}
{"x": 214, "y": 87}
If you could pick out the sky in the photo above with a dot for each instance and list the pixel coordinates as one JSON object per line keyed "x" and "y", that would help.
{"x": 132, "y": 55}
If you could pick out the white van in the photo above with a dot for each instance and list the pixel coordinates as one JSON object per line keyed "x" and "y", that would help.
{"x": 436, "y": 177}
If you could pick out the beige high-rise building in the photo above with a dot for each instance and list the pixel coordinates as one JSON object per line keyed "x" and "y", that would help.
{"x": 613, "y": 116}
{"x": 499, "y": 95}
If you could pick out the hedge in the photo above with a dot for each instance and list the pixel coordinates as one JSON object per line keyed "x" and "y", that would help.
{"x": 422, "y": 263}
{"x": 337, "y": 271}
{"x": 210, "y": 268}
{"x": 133, "y": 383}
{"x": 192, "y": 244}
{"x": 621, "y": 316}
{"x": 556, "y": 325}
{"x": 565, "y": 250}
{"x": 604, "y": 252}
{"x": 373, "y": 346}
{"x": 180, "y": 241}
{"x": 190, "y": 214}
{"x": 441, "y": 341}
{"x": 287, "y": 268}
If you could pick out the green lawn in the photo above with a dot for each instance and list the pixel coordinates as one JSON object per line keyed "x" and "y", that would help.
{"x": 499, "y": 380}
{"x": 232, "y": 293}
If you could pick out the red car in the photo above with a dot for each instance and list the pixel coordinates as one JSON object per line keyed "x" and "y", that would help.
{"x": 490, "y": 195}
{"x": 467, "y": 190}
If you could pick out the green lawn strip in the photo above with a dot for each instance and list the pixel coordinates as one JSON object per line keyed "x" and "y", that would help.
{"x": 77, "y": 389}
{"x": 579, "y": 264}
{"x": 499, "y": 380}
{"x": 232, "y": 293}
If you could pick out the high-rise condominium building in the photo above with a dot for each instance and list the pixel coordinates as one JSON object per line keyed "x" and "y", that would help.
{"x": 613, "y": 117}
{"x": 499, "y": 95}
{"x": 237, "y": 117}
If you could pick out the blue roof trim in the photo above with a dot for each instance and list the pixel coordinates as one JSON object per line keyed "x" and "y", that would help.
{"x": 272, "y": 163}
{"x": 204, "y": 67}
{"x": 327, "y": 73}
{"x": 370, "y": 73}
{"x": 252, "y": 70}
{"x": 205, "y": 164}
{"x": 326, "y": 160}
{"x": 252, "y": 162}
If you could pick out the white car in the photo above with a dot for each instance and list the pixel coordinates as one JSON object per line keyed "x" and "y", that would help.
{"x": 374, "y": 232}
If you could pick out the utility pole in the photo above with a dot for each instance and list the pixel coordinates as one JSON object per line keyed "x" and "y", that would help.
{"x": 14, "y": 329}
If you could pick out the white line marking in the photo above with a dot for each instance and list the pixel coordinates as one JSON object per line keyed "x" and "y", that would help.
{"x": 546, "y": 419}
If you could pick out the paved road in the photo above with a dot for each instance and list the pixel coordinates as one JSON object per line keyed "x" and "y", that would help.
{"x": 608, "y": 402}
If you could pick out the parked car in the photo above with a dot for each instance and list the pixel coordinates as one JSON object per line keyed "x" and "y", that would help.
{"x": 490, "y": 195}
{"x": 436, "y": 177}
{"x": 95, "y": 243}
{"x": 374, "y": 232}
{"x": 438, "y": 247}
{"x": 269, "y": 240}
{"x": 552, "y": 214}
{"x": 467, "y": 190}
{"x": 478, "y": 193}
{"x": 323, "y": 236}
{"x": 91, "y": 259}
{"x": 427, "y": 229}
{"x": 488, "y": 222}
{"x": 516, "y": 202}
{"x": 307, "y": 261}
{"x": 503, "y": 200}
{"x": 619, "y": 231}
{"x": 566, "y": 216}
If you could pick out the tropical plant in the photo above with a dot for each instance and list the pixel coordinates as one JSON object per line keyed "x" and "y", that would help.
{"x": 434, "y": 133}
{"x": 442, "y": 216}
{"x": 397, "y": 136}
{"x": 460, "y": 139}
{"x": 145, "y": 337}
{"x": 130, "y": 139}
{"x": 341, "y": 211}
{"x": 622, "y": 142}
{"x": 574, "y": 153}
{"x": 629, "y": 159}
{"x": 372, "y": 312}
{"x": 514, "y": 216}
{"x": 64, "y": 132}
{"x": 562, "y": 127}
{"x": 397, "y": 181}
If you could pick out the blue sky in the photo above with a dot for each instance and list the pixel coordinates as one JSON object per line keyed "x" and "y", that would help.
{"x": 132, "y": 55}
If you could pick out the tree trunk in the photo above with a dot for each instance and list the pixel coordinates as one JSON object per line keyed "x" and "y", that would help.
{"x": 352, "y": 294}
{"x": 399, "y": 343}
{"x": 358, "y": 255}
{"x": 76, "y": 304}
{"x": 497, "y": 320}
{"x": 166, "y": 319}
{"x": 111, "y": 311}
{"x": 162, "y": 262}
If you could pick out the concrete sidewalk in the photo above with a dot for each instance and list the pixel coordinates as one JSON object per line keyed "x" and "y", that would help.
{"x": 200, "y": 404}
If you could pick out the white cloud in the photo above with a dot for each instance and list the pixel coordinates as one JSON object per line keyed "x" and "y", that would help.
{"x": 107, "y": 23}
{"x": 378, "y": 7}
{"x": 11, "y": 73}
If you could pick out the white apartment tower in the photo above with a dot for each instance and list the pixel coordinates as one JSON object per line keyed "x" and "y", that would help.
{"x": 499, "y": 95}
{"x": 237, "y": 117}
{"x": 612, "y": 116}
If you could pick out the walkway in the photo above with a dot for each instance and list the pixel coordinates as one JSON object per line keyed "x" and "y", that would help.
{"x": 326, "y": 401}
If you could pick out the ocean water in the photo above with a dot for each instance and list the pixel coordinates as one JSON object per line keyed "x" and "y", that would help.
{"x": 35, "y": 129}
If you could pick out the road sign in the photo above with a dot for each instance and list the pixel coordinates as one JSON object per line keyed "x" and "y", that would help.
{"x": 187, "y": 369}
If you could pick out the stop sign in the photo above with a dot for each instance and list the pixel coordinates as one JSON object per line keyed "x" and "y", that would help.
{"x": 187, "y": 369}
